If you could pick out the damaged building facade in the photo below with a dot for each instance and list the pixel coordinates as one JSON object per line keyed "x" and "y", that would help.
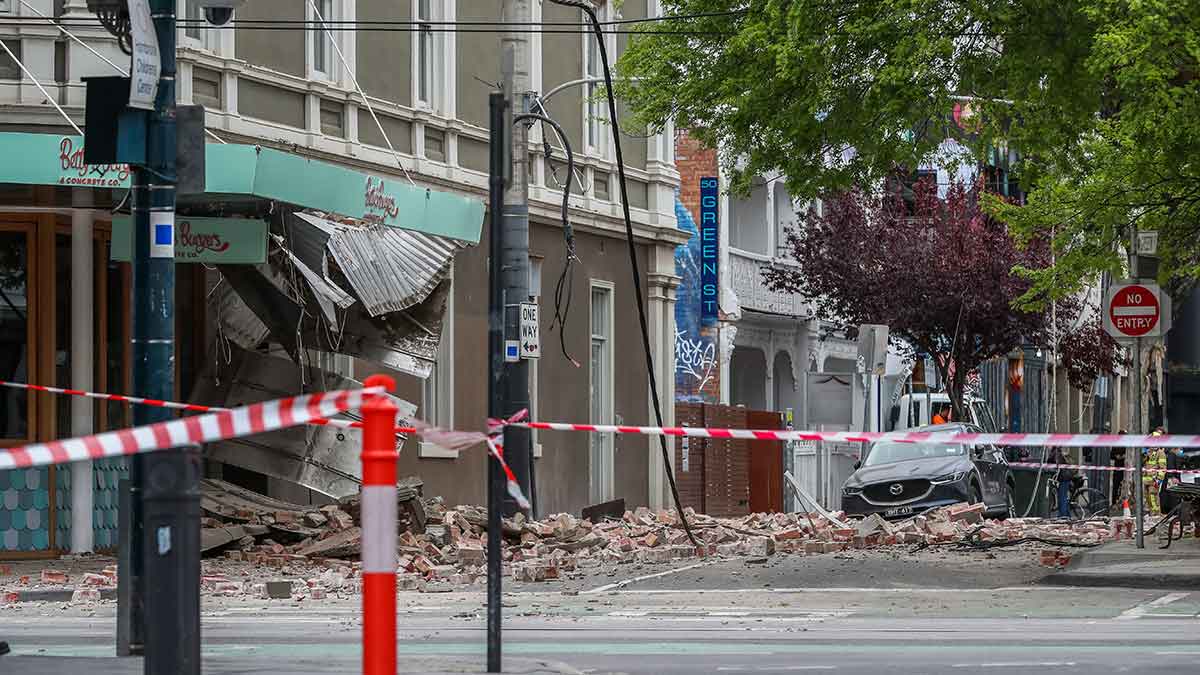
{"x": 338, "y": 236}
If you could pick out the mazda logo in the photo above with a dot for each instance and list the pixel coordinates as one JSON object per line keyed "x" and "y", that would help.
{"x": 896, "y": 488}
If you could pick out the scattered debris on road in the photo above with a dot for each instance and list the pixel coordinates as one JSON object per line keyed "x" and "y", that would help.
{"x": 286, "y": 551}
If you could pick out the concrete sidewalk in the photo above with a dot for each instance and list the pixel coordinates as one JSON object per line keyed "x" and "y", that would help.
{"x": 1120, "y": 563}
{"x": 433, "y": 665}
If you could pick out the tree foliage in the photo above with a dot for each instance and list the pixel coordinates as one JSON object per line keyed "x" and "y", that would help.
{"x": 1100, "y": 97}
{"x": 940, "y": 275}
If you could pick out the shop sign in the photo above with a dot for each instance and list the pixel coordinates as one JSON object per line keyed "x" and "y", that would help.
{"x": 72, "y": 170}
{"x": 378, "y": 205}
{"x": 216, "y": 241}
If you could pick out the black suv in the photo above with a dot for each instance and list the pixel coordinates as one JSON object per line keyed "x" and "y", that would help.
{"x": 897, "y": 479}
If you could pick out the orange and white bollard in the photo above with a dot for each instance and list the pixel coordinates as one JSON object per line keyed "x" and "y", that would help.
{"x": 379, "y": 530}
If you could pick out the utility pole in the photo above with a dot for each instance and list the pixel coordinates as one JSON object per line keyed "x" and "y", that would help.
{"x": 166, "y": 527}
{"x": 514, "y": 232}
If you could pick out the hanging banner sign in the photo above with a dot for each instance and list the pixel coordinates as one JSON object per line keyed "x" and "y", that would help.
{"x": 709, "y": 251}
{"x": 216, "y": 241}
{"x": 143, "y": 75}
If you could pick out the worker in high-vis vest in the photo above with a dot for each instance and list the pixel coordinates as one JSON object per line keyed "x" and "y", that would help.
{"x": 1154, "y": 465}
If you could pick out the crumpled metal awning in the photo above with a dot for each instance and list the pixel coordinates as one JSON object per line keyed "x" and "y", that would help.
{"x": 388, "y": 269}
{"x": 348, "y": 287}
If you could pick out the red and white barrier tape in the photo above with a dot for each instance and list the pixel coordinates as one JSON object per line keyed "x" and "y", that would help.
{"x": 252, "y": 419}
{"x": 174, "y": 405}
{"x": 514, "y": 488}
{"x": 1013, "y": 439}
{"x": 1089, "y": 467}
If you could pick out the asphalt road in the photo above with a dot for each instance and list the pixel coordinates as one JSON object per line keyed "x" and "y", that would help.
{"x": 930, "y": 611}
{"x": 682, "y": 629}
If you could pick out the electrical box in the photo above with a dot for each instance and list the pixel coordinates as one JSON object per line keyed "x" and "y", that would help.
{"x": 113, "y": 132}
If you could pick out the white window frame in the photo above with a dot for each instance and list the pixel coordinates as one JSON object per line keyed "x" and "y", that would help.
{"x": 218, "y": 40}
{"x": 437, "y": 66}
{"x": 601, "y": 448}
{"x": 331, "y": 70}
{"x": 437, "y": 390}
{"x": 595, "y": 110}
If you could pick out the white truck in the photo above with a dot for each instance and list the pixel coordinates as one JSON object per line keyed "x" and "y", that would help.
{"x": 916, "y": 410}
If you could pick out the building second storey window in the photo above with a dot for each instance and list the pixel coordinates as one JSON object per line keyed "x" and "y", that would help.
{"x": 322, "y": 57}
{"x": 595, "y": 107}
{"x": 197, "y": 32}
{"x": 593, "y": 70}
{"x": 432, "y": 54}
{"x": 425, "y": 56}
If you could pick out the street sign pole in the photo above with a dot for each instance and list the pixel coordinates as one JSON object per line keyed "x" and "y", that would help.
{"x": 496, "y": 372}
{"x": 1135, "y": 310}
{"x": 1140, "y": 496}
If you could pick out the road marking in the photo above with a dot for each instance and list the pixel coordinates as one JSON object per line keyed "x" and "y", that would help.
{"x": 773, "y": 668}
{"x": 1144, "y": 608}
{"x": 695, "y": 615}
{"x": 1018, "y": 664}
{"x": 726, "y": 591}
{"x": 1177, "y": 653}
{"x": 626, "y": 582}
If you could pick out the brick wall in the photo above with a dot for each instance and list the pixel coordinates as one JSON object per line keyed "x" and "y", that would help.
{"x": 694, "y": 161}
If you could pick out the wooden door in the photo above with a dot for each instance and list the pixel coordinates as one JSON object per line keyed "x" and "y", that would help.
{"x": 766, "y": 464}
{"x": 689, "y": 457}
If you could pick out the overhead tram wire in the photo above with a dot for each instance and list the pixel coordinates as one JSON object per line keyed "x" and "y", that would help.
{"x": 413, "y": 25}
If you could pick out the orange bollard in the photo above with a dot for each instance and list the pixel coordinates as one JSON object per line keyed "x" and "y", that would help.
{"x": 379, "y": 531}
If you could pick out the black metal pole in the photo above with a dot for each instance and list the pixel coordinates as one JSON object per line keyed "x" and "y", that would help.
{"x": 169, "y": 481}
{"x": 496, "y": 373}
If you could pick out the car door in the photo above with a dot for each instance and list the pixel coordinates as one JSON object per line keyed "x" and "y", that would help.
{"x": 990, "y": 469}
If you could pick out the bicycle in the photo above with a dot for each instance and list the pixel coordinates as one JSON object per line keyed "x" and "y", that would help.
{"x": 1085, "y": 502}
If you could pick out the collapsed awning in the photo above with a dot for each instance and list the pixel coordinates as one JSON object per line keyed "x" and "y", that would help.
{"x": 389, "y": 270}
{"x": 345, "y": 287}
{"x": 321, "y": 458}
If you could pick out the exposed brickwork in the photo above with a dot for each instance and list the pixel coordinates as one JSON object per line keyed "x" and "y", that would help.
{"x": 691, "y": 482}
{"x": 694, "y": 161}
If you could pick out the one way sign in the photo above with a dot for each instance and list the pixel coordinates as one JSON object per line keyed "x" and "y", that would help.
{"x": 531, "y": 342}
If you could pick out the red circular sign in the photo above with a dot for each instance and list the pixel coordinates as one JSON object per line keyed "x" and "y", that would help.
{"x": 1134, "y": 310}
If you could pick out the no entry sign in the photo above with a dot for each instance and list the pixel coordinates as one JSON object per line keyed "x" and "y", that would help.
{"x": 1136, "y": 309}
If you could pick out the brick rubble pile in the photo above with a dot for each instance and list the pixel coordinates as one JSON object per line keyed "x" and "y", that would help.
{"x": 318, "y": 556}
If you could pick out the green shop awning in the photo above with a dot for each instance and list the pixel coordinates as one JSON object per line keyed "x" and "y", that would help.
{"x": 251, "y": 171}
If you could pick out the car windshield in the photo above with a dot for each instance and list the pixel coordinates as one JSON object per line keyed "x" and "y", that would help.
{"x": 887, "y": 452}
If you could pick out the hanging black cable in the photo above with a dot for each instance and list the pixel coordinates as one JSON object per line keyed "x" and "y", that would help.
{"x": 633, "y": 261}
{"x": 562, "y": 290}
{"x": 566, "y": 280}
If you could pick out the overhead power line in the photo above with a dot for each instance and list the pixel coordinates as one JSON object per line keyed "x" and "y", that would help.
{"x": 356, "y": 28}
{"x": 617, "y": 26}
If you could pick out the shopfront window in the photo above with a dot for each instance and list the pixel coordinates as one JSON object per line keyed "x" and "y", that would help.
{"x": 14, "y": 333}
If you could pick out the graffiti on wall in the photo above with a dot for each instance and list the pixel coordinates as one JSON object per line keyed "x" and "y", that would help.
{"x": 697, "y": 365}
{"x": 695, "y": 358}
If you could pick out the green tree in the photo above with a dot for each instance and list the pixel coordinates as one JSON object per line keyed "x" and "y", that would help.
{"x": 1100, "y": 98}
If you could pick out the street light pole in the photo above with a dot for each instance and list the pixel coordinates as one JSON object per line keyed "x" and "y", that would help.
{"x": 168, "y": 482}
{"x": 514, "y": 254}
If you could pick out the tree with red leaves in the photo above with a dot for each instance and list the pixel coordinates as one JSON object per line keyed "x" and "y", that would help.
{"x": 939, "y": 273}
